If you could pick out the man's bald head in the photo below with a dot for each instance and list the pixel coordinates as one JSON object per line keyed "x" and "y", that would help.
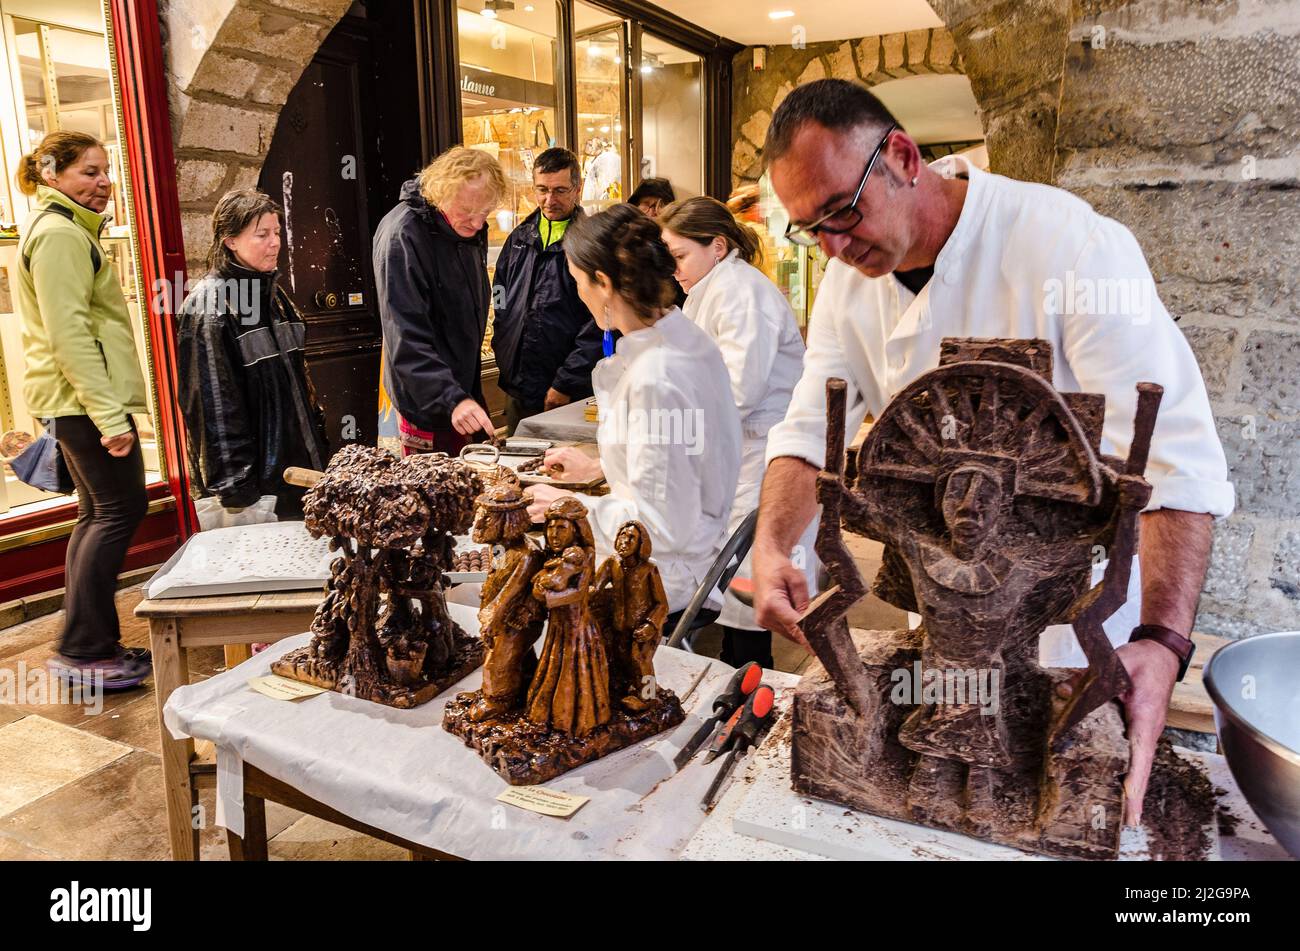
{"x": 835, "y": 104}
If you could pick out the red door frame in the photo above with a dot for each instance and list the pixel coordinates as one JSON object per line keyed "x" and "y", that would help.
{"x": 142, "y": 78}
{"x": 137, "y": 53}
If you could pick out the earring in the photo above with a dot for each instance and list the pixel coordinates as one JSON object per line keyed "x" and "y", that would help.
{"x": 607, "y": 341}
{"x": 914, "y": 177}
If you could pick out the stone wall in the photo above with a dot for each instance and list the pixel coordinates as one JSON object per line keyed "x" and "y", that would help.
{"x": 231, "y": 65}
{"x": 1178, "y": 117}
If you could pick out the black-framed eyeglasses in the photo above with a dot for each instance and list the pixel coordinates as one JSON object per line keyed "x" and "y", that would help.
{"x": 843, "y": 219}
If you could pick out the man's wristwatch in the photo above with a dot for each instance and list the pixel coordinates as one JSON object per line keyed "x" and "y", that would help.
{"x": 1181, "y": 646}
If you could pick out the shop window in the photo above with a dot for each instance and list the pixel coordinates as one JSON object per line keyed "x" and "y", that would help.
{"x": 672, "y": 116}
{"x": 508, "y": 95}
{"x": 796, "y": 270}
{"x": 57, "y": 78}
{"x": 598, "y": 62}
{"x": 509, "y": 100}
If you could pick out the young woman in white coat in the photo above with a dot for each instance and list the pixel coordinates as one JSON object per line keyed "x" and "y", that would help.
{"x": 749, "y": 318}
{"x": 669, "y": 432}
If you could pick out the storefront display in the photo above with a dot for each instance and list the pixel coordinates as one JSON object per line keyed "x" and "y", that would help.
{"x": 58, "y": 78}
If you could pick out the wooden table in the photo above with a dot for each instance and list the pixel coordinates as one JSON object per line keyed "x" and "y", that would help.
{"x": 1190, "y": 708}
{"x": 567, "y": 423}
{"x": 252, "y": 846}
{"x": 234, "y": 622}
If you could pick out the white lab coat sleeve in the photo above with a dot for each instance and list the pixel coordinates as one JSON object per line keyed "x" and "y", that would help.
{"x": 664, "y": 488}
{"x": 1127, "y": 337}
{"x": 802, "y": 434}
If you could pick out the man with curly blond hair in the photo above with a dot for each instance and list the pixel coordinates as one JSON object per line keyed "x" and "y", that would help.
{"x": 430, "y": 256}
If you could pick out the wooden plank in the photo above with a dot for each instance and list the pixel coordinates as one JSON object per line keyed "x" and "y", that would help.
{"x": 261, "y": 785}
{"x": 1190, "y": 706}
{"x": 236, "y": 654}
{"x": 246, "y": 628}
{"x": 227, "y": 604}
{"x": 188, "y": 607}
{"x": 170, "y": 671}
{"x": 290, "y": 600}
{"x": 252, "y": 845}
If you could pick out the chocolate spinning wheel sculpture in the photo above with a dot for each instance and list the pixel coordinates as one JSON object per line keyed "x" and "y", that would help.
{"x": 993, "y": 498}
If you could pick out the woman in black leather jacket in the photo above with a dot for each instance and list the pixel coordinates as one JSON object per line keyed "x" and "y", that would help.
{"x": 250, "y": 410}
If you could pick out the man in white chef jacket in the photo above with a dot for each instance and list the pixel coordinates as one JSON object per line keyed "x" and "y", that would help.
{"x": 945, "y": 250}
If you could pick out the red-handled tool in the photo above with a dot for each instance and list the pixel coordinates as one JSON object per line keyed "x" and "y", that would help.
{"x": 732, "y": 697}
{"x": 739, "y": 735}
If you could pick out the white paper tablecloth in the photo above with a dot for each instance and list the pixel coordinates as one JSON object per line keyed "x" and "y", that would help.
{"x": 567, "y": 423}
{"x": 399, "y": 771}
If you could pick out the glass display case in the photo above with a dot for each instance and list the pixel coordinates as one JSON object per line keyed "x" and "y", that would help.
{"x": 58, "y": 78}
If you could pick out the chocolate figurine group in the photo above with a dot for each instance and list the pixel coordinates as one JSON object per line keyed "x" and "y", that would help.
{"x": 992, "y": 497}
{"x": 592, "y": 690}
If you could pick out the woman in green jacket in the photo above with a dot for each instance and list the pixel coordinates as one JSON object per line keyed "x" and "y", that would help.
{"x": 83, "y": 373}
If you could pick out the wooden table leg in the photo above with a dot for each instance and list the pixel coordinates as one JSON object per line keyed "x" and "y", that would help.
{"x": 251, "y": 847}
{"x": 170, "y": 671}
{"x": 236, "y": 654}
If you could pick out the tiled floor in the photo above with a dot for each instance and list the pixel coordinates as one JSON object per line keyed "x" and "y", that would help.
{"x": 83, "y": 783}
{"x": 80, "y": 783}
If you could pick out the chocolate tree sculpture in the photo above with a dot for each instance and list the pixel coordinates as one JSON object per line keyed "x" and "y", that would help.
{"x": 383, "y": 631}
{"x": 993, "y": 499}
{"x": 592, "y": 691}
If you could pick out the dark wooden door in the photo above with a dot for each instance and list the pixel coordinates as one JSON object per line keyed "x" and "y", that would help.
{"x": 347, "y": 137}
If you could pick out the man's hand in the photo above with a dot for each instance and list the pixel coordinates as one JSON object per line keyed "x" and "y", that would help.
{"x": 574, "y": 464}
{"x": 780, "y": 595}
{"x": 1153, "y": 669}
{"x": 543, "y": 496}
{"x": 555, "y": 398}
{"x": 469, "y": 418}
{"x": 119, "y": 445}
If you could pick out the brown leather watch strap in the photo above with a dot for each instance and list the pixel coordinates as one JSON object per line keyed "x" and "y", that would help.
{"x": 1182, "y": 646}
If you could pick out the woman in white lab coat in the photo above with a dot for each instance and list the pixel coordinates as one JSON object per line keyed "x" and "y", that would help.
{"x": 669, "y": 433}
{"x": 749, "y": 318}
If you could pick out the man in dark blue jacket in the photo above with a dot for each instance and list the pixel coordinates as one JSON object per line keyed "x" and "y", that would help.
{"x": 544, "y": 338}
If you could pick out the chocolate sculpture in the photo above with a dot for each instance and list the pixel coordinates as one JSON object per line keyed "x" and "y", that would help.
{"x": 383, "y": 631}
{"x": 592, "y": 691}
{"x": 993, "y": 499}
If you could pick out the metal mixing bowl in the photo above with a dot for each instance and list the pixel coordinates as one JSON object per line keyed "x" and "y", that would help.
{"x": 1255, "y": 686}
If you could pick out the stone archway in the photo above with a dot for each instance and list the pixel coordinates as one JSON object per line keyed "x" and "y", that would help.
{"x": 1012, "y": 53}
{"x": 232, "y": 64}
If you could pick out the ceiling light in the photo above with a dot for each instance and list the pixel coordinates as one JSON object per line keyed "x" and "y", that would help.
{"x": 492, "y": 7}
{"x": 780, "y": 14}
{"x": 490, "y": 14}
{"x": 529, "y": 8}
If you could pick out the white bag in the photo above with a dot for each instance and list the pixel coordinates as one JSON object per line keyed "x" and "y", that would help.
{"x": 212, "y": 515}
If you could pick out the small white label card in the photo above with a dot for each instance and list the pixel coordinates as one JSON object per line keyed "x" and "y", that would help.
{"x": 543, "y": 801}
{"x": 282, "y": 688}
